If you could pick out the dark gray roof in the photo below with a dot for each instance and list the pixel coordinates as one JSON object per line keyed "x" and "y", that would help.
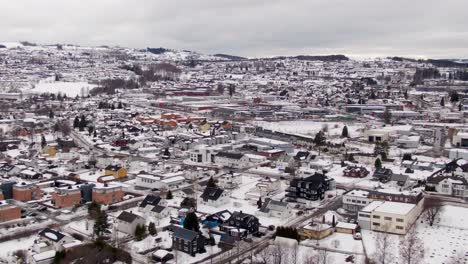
{"x": 212, "y": 193}
{"x": 399, "y": 177}
{"x": 230, "y": 155}
{"x": 51, "y": 234}
{"x": 158, "y": 209}
{"x": 185, "y": 234}
{"x": 150, "y": 200}
{"x": 127, "y": 217}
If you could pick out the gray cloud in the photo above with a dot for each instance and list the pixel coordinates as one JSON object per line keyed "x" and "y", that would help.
{"x": 431, "y": 28}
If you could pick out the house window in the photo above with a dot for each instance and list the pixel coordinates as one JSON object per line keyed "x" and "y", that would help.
{"x": 399, "y": 227}
{"x": 375, "y": 224}
{"x": 399, "y": 220}
{"x": 387, "y": 218}
{"x": 376, "y": 216}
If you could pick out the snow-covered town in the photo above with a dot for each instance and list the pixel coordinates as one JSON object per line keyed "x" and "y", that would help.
{"x": 123, "y": 155}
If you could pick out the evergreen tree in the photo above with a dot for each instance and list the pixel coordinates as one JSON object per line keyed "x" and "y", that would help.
{"x": 140, "y": 232}
{"x": 152, "y": 229}
{"x": 407, "y": 156}
{"x": 454, "y": 96}
{"x": 333, "y": 221}
{"x": 211, "y": 183}
{"x": 344, "y": 132}
{"x": 378, "y": 163}
{"x": 119, "y": 106}
{"x": 460, "y": 107}
{"x": 101, "y": 225}
{"x": 95, "y": 133}
{"x": 43, "y": 141}
{"x": 387, "y": 116}
{"x": 169, "y": 195}
{"x": 442, "y": 102}
{"x": 191, "y": 222}
{"x": 90, "y": 130}
{"x": 112, "y": 106}
{"x": 319, "y": 139}
{"x": 82, "y": 123}
{"x": 76, "y": 122}
{"x": 259, "y": 202}
{"x": 51, "y": 114}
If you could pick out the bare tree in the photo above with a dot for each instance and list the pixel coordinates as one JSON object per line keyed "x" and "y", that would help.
{"x": 383, "y": 253}
{"x": 278, "y": 254}
{"x": 432, "y": 206}
{"x": 411, "y": 247}
{"x": 322, "y": 256}
{"x": 293, "y": 254}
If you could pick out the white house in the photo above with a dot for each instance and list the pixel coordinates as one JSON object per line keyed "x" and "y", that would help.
{"x": 128, "y": 221}
{"x": 355, "y": 200}
{"x": 214, "y": 196}
{"x": 273, "y": 208}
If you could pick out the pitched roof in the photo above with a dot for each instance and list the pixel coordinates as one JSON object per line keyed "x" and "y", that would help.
{"x": 158, "y": 209}
{"x": 127, "y": 217}
{"x": 113, "y": 168}
{"x": 150, "y": 200}
{"x": 212, "y": 193}
{"x": 185, "y": 234}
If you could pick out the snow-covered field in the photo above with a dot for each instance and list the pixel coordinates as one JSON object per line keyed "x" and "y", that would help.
{"x": 9, "y": 247}
{"x": 71, "y": 89}
{"x": 311, "y": 127}
{"x": 445, "y": 242}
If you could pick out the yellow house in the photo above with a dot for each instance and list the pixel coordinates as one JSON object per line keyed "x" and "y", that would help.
{"x": 50, "y": 150}
{"x": 315, "y": 231}
{"x": 116, "y": 171}
{"x": 346, "y": 228}
{"x": 204, "y": 126}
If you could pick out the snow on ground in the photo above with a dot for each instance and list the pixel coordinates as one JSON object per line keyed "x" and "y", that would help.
{"x": 9, "y": 247}
{"x": 71, "y": 89}
{"x": 311, "y": 127}
{"x": 345, "y": 242}
{"x": 445, "y": 242}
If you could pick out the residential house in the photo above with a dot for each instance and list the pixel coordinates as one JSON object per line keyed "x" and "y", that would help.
{"x": 127, "y": 222}
{"x": 382, "y": 174}
{"x": 355, "y": 200}
{"x": 355, "y": 172}
{"x": 241, "y": 225}
{"x": 214, "y": 196}
{"x": 454, "y": 185}
{"x": 273, "y": 208}
{"x": 231, "y": 159}
{"x": 310, "y": 188}
{"x": 53, "y": 240}
{"x": 116, "y": 171}
{"x": 188, "y": 241}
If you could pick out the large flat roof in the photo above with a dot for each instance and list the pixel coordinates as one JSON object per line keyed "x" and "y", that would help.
{"x": 394, "y": 208}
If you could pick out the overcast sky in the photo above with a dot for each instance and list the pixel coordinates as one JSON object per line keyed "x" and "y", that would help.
{"x": 253, "y": 28}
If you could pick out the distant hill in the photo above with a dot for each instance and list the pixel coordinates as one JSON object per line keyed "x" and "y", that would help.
{"x": 229, "y": 57}
{"x": 334, "y": 58}
{"x": 447, "y": 63}
{"x": 2, "y": 46}
{"x": 157, "y": 50}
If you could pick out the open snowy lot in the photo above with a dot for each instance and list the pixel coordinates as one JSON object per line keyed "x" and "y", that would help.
{"x": 445, "y": 242}
{"x": 311, "y": 127}
{"x": 71, "y": 89}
